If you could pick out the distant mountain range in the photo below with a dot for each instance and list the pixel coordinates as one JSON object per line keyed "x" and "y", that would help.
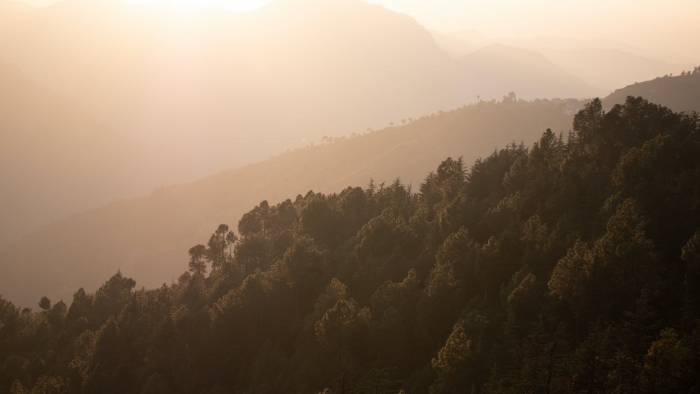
{"x": 499, "y": 67}
{"x": 610, "y": 68}
{"x": 228, "y": 89}
{"x": 194, "y": 91}
{"x": 605, "y": 65}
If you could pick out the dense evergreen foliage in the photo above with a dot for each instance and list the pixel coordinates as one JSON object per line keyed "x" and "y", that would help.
{"x": 570, "y": 266}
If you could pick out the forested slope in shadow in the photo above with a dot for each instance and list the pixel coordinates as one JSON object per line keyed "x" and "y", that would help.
{"x": 570, "y": 265}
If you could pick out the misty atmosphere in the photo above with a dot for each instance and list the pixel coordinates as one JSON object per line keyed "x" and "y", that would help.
{"x": 349, "y": 196}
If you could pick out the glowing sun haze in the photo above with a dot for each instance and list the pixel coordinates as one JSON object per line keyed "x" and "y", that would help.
{"x": 668, "y": 27}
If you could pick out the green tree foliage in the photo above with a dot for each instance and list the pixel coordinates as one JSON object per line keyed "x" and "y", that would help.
{"x": 452, "y": 363}
{"x": 197, "y": 264}
{"x": 691, "y": 256}
{"x": 218, "y": 246}
{"x": 571, "y": 266}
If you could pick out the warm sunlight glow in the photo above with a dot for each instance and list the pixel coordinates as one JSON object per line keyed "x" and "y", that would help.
{"x": 665, "y": 29}
{"x": 349, "y": 196}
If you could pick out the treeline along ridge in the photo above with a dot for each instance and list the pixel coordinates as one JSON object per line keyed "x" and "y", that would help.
{"x": 569, "y": 266}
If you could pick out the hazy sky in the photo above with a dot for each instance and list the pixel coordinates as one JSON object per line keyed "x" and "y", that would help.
{"x": 663, "y": 25}
{"x": 669, "y": 25}
{"x": 537, "y": 17}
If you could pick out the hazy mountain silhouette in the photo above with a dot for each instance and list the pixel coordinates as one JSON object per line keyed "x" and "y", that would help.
{"x": 56, "y": 159}
{"x": 461, "y": 42}
{"x": 148, "y": 237}
{"x": 603, "y": 64}
{"x": 610, "y": 68}
{"x": 498, "y": 67}
{"x": 667, "y": 54}
{"x": 679, "y": 93}
{"x": 230, "y": 89}
{"x": 202, "y": 90}
{"x": 226, "y": 89}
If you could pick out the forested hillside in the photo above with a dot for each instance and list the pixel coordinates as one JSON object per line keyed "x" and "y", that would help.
{"x": 678, "y": 93}
{"x": 148, "y": 238}
{"x": 568, "y": 266}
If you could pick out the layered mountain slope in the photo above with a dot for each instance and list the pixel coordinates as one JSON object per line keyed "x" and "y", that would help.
{"x": 148, "y": 237}
{"x": 679, "y": 93}
{"x": 604, "y": 65}
{"x": 56, "y": 159}
{"x": 499, "y": 67}
{"x": 205, "y": 90}
{"x": 610, "y": 68}
{"x": 228, "y": 89}
{"x": 462, "y": 42}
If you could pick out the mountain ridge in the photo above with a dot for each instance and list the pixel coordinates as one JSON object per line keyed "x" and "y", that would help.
{"x": 534, "y": 69}
{"x": 679, "y": 93}
{"x": 147, "y": 236}
{"x": 174, "y": 217}
{"x": 603, "y": 65}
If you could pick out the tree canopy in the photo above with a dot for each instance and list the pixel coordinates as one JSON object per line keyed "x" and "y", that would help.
{"x": 569, "y": 266}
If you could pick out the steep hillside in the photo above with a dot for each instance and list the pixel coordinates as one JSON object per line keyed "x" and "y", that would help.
{"x": 148, "y": 237}
{"x": 570, "y": 266}
{"x": 56, "y": 159}
{"x": 679, "y": 93}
